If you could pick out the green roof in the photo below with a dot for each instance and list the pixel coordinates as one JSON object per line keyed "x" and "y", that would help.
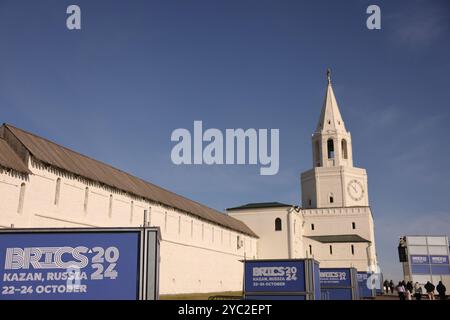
{"x": 338, "y": 238}
{"x": 258, "y": 205}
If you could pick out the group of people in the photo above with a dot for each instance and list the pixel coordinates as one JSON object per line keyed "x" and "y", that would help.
{"x": 406, "y": 291}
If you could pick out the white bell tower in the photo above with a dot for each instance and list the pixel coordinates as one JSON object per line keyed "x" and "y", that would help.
{"x": 333, "y": 181}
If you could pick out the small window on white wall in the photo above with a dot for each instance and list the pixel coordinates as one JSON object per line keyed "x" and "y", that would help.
{"x": 353, "y": 250}
{"x": 353, "y": 225}
{"x": 86, "y": 199}
{"x": 131, "y": 210}
{"x": 310, "y": 249}
{"x": 110, "y": 209}
{"x": 331, "y": 249}
{"x": 165, "y": 221}
{"x": 21, "y": 198}
{"x": 312, "y": 226}
{"x": 57, "y": 191}
{"x": 277, "y": 224}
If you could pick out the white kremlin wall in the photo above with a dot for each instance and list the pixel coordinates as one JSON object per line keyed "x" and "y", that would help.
{"x": 196, "y": 255}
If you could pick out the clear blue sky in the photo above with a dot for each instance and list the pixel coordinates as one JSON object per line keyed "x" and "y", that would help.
{"x": 140, "y": 69}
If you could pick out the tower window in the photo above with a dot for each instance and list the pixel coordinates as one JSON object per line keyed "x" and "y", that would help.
{"x": 330, "y": 147}
{"x": 317, "y": 153}
{"x": 331, "y": 249}
{"x": 277, "y": 224}
{"x": 344, "y": 149}
{"x": 353, "y": 250}
{"x": 310, "y": 202}
{"x": 312, "y": 226}
{"x": 353, "y": 225}
{"x": 331, "y": 199}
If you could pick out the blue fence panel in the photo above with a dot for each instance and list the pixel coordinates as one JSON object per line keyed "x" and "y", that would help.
{"x": 339, "y": 277}
{"x": 317, "y": 292}
{"x": 70, "y": 265}
{"x": 339, "y": 284}
{"x": 364, "y": 290}
{"x": 337, "y": 294}
{"x": 275, "y": 276}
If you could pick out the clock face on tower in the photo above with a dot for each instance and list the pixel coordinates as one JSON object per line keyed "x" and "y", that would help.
{"x": 355, "y": 190}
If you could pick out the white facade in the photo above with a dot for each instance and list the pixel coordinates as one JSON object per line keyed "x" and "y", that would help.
{"x": 335, "y": 224}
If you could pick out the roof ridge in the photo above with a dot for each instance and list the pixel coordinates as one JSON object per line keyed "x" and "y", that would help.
{"x": 107, "y": 164}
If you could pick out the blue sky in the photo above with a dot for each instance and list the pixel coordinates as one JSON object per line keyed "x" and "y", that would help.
{"x": 140, "y": 69}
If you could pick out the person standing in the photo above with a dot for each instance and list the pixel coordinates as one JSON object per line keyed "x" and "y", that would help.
{"x": 417, "y": 291}
{"x": 441, "y": 290}
{"x": 386, "y": 286}
{"x": 401, "y": 291}
{"x": 430, "y": 290}
{"x": 391, "y": 285}
{"x": 409, "y": 290}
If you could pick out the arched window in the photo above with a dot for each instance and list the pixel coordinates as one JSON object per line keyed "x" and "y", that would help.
{"x": 330, "y": 147}
{"x": 86, "y": 199}
{"x": 277, "y": 224}
{"x": 344, "y": 149}
{"x": 317, "y": 153}
{"x": 57, "y": 191}
{"x": 21, "y": 198}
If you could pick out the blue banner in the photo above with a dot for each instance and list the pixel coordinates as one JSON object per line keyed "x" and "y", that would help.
{"x": 274, "y": 276}
{"x": 420, "y": 269}
{"x": 419, "y": 259}
{"x": 317, "y": 292}
{"x": 339, "y": 277}
{"x": 439, "y": 259}
{"x": 364, "y": 290}
{"x": 440, "y": 270}
{"x": 69, "y": 265}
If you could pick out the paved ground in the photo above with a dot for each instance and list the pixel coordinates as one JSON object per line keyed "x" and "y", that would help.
{"x": 223, "y": 295}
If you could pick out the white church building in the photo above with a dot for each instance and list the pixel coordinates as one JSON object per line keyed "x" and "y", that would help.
{"x": 43, "y": 184}
{"x": 335, "y": 224}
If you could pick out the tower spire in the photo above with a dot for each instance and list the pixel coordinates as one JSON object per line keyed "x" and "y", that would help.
{"x": 330, "y": 117}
